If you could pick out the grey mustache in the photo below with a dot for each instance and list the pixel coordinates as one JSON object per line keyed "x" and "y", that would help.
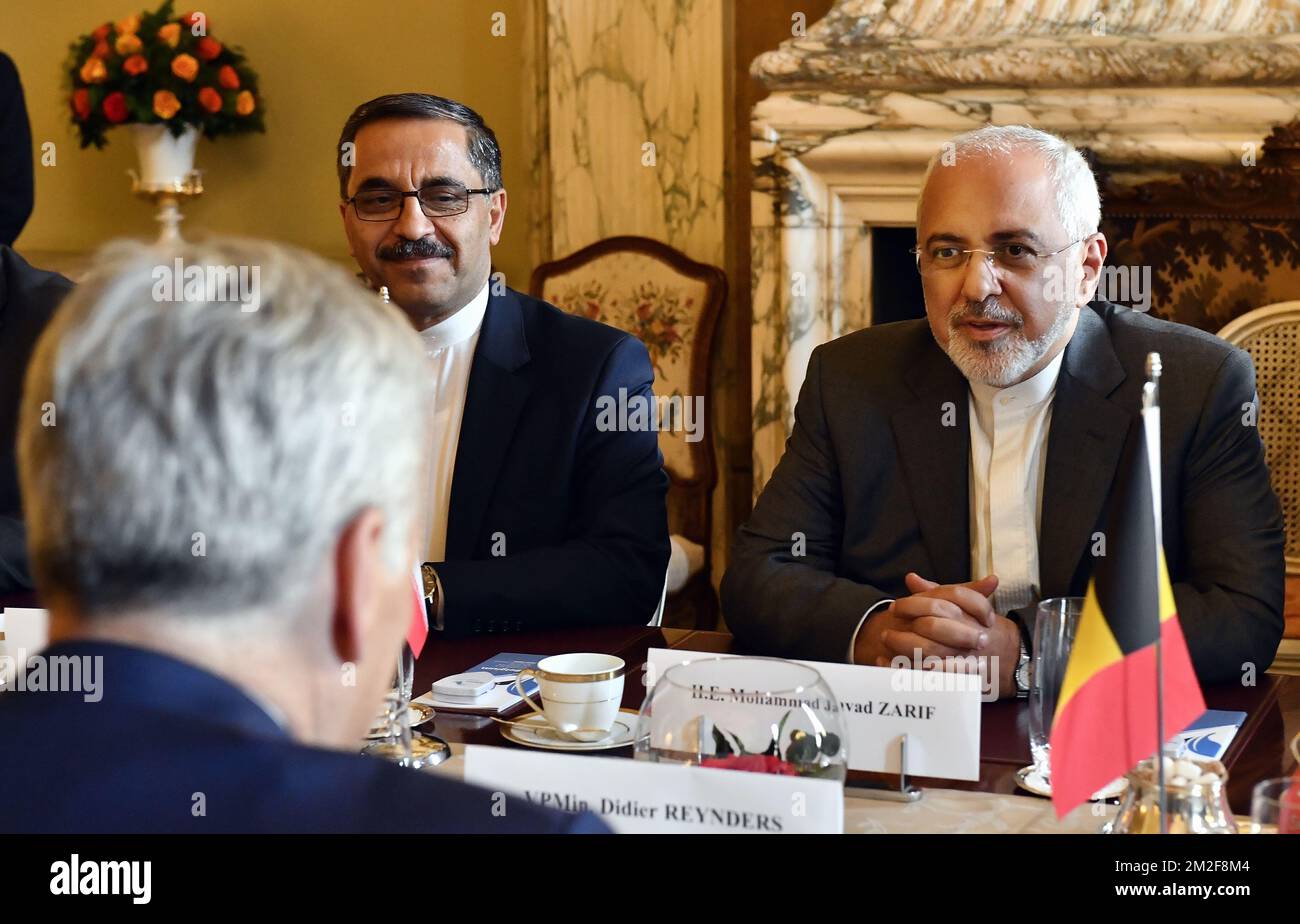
{"x": 421, "y": 249}
{"x": 986, "y": 312}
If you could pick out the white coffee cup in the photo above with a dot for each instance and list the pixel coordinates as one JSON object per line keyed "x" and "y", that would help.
{"x": 581, "y": 693}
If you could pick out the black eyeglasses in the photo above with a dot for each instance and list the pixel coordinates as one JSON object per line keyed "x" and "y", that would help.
{"x": 436, "y": 201}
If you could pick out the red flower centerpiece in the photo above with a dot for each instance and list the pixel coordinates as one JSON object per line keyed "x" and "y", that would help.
{"x": 160, "y": 69}
{"x": 169, "y": 80}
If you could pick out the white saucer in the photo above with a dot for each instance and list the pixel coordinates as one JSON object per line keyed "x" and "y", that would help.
{"x": 416, "y": 714}
{"x": 533, "y": 731}
{"x": 1031, "y": 781}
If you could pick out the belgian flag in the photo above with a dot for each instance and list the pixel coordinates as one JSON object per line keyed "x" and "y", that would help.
{"x": 1105, "y": 722}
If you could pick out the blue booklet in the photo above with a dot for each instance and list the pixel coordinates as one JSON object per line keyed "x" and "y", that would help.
{"x": 1209, "y": 736}
{"x": 500, "y": 700}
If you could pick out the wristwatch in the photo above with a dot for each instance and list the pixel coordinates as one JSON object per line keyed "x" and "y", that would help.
{"x": 1022, "y": 672}
{"x": 432, "y": 596}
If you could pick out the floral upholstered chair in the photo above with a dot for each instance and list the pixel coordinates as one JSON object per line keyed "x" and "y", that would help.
{"x": 672, "y": 304}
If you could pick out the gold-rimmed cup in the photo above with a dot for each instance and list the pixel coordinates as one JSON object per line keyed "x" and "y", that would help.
{"x": 581, "y": 693}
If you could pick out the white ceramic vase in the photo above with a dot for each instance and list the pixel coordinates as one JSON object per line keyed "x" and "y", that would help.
{"x": 165, "y": 160}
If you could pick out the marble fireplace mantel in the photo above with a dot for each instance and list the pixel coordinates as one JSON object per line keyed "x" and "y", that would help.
{"x": 860, "y": 104}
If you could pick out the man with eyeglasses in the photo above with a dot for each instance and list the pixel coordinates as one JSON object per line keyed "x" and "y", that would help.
{"x": 947, "y": 474}
{"x": 536, "y": 517}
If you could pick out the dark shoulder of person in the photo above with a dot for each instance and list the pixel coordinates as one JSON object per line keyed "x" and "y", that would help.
{"x": 1187, "y": 351}
{"x": 28, "y": 294}
{"x": 369, "y": 795}
{"x": 17, "y": 188}
{"x": 28, "y": 298}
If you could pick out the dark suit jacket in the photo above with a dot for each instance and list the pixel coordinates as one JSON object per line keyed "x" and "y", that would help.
{"x": 582, "y": 512}
{"x": 878, "y": 485}
{"x": 165, "y": 730}
{"x": 28, "y": 298}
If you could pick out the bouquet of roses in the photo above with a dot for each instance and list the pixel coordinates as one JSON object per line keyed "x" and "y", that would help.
{"x": 158, "y": 67}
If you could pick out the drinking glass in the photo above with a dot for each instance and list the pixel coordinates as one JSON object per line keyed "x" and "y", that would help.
{"x": 400, "y": 744}
{"x": 1275, "y": 806}
{"x": 1058, "y": 620}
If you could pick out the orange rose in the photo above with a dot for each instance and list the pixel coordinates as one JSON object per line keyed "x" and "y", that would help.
{"x": 101, "y": 51}
{"x": 101, "y": 33}
{"x": 129, "y": 26}
{"x": 170, "y": 34}
{"x": 134, "y": 65}
{"x": 128, "y": 44}
{"x": 190, "y": 19}
{"x": 185, "y": 67}
{"x": 210, "y": 99}
{"x": 93, "y": 71}
{"x": 81, "y": 103}
{"x": 228, "y": 78}
{"x": 165, "y": 104}
{"x": 244, "y": 103}
{"x": 207, "y": 48}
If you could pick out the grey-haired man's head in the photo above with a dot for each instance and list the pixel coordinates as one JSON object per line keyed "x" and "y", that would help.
{"x": 213, "y": 472}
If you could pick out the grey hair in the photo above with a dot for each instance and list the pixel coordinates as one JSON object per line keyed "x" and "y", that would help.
{"x": 1077, "y": 200}
{"x": 152, "y": 430}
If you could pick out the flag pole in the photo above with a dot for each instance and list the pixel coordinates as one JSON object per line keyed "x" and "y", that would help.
{"x": 1151, "y": 423}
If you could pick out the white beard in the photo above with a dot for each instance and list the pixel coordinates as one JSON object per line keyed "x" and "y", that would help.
{"x": 1004, "y": 361}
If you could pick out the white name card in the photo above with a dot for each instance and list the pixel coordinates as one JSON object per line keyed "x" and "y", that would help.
{"x": 939, "y": 712}
{"x": 23, "y": 632}
{"x": 639, "y": 797}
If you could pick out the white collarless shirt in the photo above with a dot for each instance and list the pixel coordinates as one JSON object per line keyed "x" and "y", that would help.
{"x": 1008, "y": 458}
{"x": 450, "y": 345}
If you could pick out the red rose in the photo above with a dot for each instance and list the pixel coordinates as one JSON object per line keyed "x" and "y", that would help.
{"x": 81, "y": 104}
{"x": 135, "y": 65}
{"x": 114, "y": 107}
{"x": 210, "y": 99}
{"x": 753, "y": 763}
{"x": 102, "y": 32}
{"x": 228, "y": 78}
{"x": 207, "y": 48}
{"x": 102, "y": 51}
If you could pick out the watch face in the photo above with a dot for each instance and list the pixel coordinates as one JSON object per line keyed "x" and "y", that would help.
{"x": 1022, "y": 675}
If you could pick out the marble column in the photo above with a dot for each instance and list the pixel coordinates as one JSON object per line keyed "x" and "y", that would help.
{"x": 635, "y": 100}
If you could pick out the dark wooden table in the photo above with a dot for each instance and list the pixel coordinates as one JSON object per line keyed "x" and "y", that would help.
{"x": 1258, "y": 752}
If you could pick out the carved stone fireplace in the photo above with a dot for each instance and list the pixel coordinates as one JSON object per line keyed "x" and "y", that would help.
{"x": 860, "y": 104}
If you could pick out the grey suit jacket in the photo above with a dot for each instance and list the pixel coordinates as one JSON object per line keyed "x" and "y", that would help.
{"x": 874, "y": 482}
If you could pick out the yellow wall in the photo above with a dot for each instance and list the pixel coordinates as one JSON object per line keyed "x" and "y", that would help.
{"x": 316, "y": 60}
